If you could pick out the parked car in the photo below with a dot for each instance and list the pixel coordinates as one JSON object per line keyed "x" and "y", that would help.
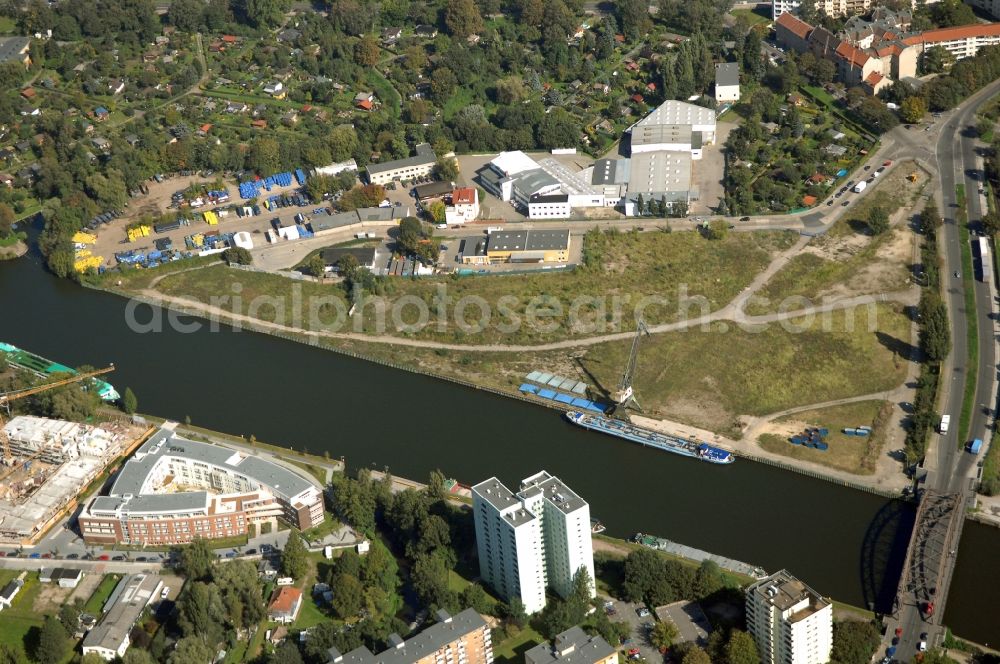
{"x": 35, "y": 555}
{"x": 118, "y": 558}
{"x": 744, "y": 218}
{"x": 643, "y": 612}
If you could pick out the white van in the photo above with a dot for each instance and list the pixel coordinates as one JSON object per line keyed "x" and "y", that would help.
{"x": 945, "y": 421}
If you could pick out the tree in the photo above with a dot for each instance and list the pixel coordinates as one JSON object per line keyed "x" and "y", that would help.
{"x": 878, "y": 220}
{"x": 369, "y": 195}
{"x": 663, "y": 635}
{"x": 69, "y": 616}
{"x": 854, "y": 642}
{"x": 6, "y": 220}
{"x": 264, "y": 13}
{"x": 286, "y": 653}
{"x": 633, "y": 16}
{"x": 137, "y": 656}
{"x": 129, "y": 402}
{"x": 475, "y": 597}
{"x": 186, "y": 15}
{"x": 462, "y": 18}
{"x": 294, "y": 560}
{"x": 237, "y": 256}
{"x": 991, "y": 223}
{"x": 194, "y": 560}
{"x": 741, "y": 649}
{"x": 935, "y": 60}
{"x": 9, "y": 655}
{"x": 264, "y": 157}
{"x": 316, "y": 266}
{"x": 935, "y": 335}
{"x": 411, "y": 233}
{"x": 53, "y": 641}
{"x": 930, "y": 218}
{"x": 436, "y": 486}
{"x": 696, "y": 656}
{"x": 717, "y": 229}
{"x": 348, "y": 596}
{"x": 913, "y": 109}
{"x": 191, "y": 650}
{"x": 708, "y": 579}
{"x": 202, "y": 613}
{"x": 437, "y": 211}
{"x": 446, "y": 169}
{"x": 366, "y": 51}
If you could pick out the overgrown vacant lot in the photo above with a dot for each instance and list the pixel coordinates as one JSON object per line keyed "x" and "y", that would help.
{"x": 855, "y": 454}
{"x": 629, "y": 266}
{"x": 848, "y": 260}
{"x": 711, "y": 378}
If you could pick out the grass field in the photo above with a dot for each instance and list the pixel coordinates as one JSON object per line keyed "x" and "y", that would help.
{"x": 851, "y": 453}
{"x": 511, "y": 650}
{"x": 18, "y": 621}
{"x": 710, "y": 378}
{"x": 629, "y": 268}
{"x": 752, "y": 17}
{"x": 100, "y": 595}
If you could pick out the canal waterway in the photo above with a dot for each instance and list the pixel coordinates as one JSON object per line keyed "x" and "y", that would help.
{"x": 845, "y": 543}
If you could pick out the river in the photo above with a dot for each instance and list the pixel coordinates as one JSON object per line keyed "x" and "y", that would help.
{"x": 844, "y": 543}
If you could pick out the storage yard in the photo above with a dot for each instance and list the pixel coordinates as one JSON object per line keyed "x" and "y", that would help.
{"x": 53, "y": 460}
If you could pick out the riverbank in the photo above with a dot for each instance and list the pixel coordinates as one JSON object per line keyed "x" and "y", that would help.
{"x": 457, "y": 368}
{"x": 9, "y": 252}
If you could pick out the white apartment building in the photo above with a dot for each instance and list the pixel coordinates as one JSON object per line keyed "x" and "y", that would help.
{"x": 791, "y": 622}
{"x": 846, "y": 7}
{"x": 535, "y": 539}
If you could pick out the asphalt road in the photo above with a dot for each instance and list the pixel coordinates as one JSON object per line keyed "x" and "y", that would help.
{"x": 951, "y": 467}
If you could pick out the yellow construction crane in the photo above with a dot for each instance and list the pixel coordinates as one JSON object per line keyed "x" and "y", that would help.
{"x": 7, "y": 397}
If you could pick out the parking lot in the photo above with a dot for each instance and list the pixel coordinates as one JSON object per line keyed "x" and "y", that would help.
{"x": 641, "y": 627}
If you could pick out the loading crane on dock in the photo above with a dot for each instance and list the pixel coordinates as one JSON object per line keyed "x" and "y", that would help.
{"x": 624, "y": 396}
{"x": 7, "y": 397}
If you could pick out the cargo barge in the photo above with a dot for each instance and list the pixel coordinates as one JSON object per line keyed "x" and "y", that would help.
{"x": 44, "y": 368}
{"x": 689, "y": 448}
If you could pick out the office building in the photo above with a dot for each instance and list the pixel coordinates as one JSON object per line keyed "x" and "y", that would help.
{"x": 409, "y": 168}
{"x": 461, "y": 639}
{"x": 536, "y": 539}
{"x": 174, "y": 490}
{"x": 791, "y": 622}
{"x": 574, "y": 646}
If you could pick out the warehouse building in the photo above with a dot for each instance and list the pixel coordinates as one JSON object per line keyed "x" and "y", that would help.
{"x": 174, "y": 490}
{"x": 548, "y": 246}
{"x": 663, "y": 176}
{"x": 674, "y": 126}
{"x": 110, "y": 638}
{"x": 419, "y": 165}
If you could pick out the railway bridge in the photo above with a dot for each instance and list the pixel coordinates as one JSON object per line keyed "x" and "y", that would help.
{"x": 923, "y": 586}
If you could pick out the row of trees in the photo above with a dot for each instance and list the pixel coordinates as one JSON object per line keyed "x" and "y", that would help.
{"x": 935, "y": 336}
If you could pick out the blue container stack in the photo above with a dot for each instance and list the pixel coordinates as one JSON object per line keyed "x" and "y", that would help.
{"x": 812, "y": 437}
{"x": 300, "y": 176}
{"x": 251, "y": 188}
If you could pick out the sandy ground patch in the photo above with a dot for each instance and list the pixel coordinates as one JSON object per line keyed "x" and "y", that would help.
{"x": 51, "y": 597}
{"x": 88, "y": 584}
